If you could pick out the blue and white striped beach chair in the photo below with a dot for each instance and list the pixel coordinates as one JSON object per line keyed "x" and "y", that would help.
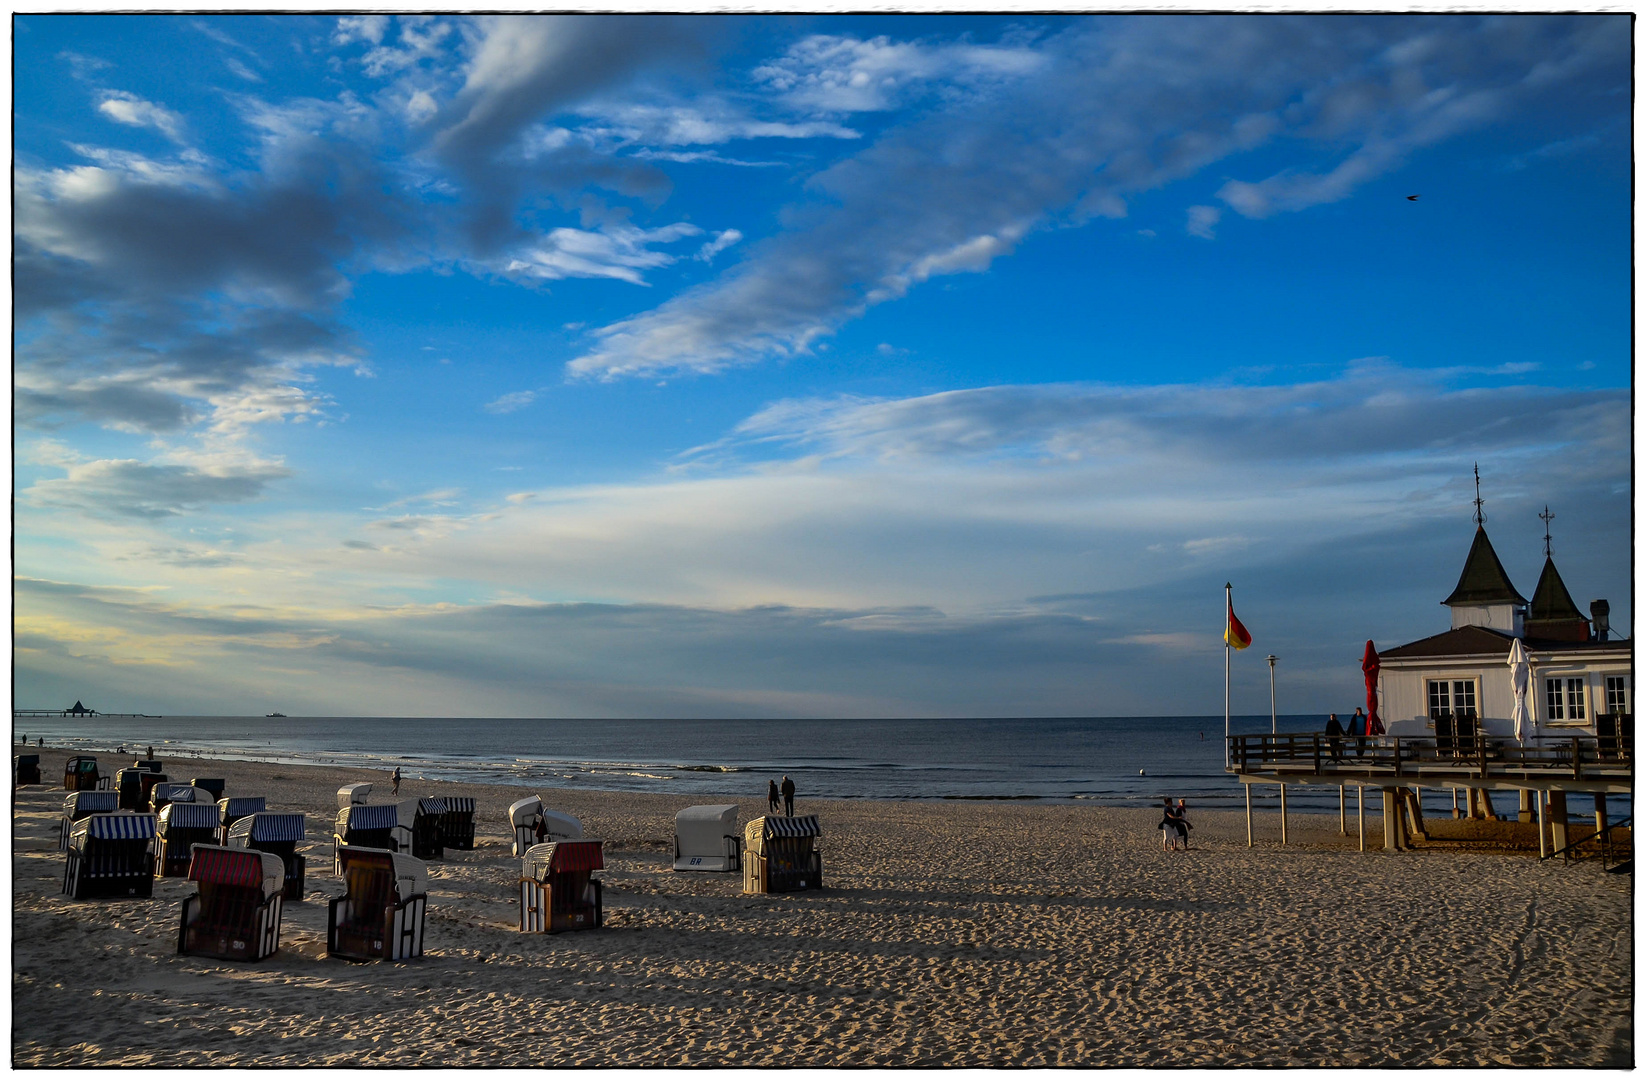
{"x": 83, "y": 804}
{"x": 111, "y": 855}
{"x": 277, "y": 834}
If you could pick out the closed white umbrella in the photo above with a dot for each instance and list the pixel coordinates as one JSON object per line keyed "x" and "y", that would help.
{"x": 1520, "y": 673}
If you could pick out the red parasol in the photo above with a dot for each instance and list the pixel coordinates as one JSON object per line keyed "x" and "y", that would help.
{"x": 1370, "y": 665}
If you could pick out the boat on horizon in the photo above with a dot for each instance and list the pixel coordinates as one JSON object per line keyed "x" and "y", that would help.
{"x": 281, "y": 715}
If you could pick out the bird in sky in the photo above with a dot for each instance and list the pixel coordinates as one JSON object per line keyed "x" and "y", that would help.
{"x": 1411, "y": 198}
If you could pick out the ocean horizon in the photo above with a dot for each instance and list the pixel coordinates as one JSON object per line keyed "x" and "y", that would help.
{"x": 1115, "y": 761}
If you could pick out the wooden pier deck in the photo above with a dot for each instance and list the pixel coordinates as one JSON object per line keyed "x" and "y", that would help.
{"x": 1546, "y": 770}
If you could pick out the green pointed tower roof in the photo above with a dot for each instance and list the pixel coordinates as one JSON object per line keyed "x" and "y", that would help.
{"x": 1484, "y": 580}
{"x": 1551, "y": 600}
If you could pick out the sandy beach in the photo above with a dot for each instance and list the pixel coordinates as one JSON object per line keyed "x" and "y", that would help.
{"x": 950, "y": 933}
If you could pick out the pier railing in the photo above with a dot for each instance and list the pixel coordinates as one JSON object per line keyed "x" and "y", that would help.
{"x": 1575, "y": 757}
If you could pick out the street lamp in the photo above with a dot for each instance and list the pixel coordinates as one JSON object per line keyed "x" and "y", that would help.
{"x": 1272, "y": 658}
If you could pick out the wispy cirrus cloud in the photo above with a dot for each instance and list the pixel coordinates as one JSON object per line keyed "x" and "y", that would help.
{"x": 1105, "y": 111}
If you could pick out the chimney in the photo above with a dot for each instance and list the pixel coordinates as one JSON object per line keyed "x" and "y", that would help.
{"x": 1602, "y": 612}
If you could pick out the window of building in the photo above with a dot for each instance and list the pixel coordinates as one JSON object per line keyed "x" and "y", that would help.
{"x": 1565, "y": 699}
{"x": 1617, "y": 693}
{"x": 1452, "y": 695}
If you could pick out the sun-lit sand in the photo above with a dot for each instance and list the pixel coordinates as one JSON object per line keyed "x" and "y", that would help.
{"x": 949, "y": 934}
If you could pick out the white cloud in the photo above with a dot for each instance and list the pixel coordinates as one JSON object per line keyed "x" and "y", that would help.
{"x": 621, "y": 252}
{"x": 133, "y": 111}
{"x": 367, "y": 28}
{"x": 722, "y": 240}
{"x": 833, "y": 74}
{"x": 1203, "y": 222}
{"x": 512, "y": 402}
{"x": 1059, "y": 130}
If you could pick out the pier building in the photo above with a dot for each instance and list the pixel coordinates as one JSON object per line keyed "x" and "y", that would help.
{"x": 1522, "y": 696}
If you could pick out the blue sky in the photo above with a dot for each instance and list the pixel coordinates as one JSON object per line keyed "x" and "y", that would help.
{"x": 772, "y": 366}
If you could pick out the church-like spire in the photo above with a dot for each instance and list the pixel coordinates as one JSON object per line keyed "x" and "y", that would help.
{"x": 1553, "y": 614}
{"x": 1484, "y": 581}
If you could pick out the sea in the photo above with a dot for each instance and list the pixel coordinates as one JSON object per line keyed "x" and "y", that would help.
{"x": 1113, "y": 761}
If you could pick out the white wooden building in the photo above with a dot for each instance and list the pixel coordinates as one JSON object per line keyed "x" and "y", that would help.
{"x": 1582, "y": 679}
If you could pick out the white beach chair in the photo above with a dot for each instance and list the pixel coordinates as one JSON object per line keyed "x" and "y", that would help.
{"x": 381, "y": 915}
{"x": 706, "y": 838}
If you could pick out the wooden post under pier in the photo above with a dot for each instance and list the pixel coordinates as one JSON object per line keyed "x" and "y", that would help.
{"x": 1342, "y": 811}
{"x": 1600, "y": 812}
{"x": 1557, "y": 819}
{"x": 1391, "y": 821}
{"x": 1248, "y": 788}
{"x": 1360, "y": 809}
{"x": 1282, "y": 815}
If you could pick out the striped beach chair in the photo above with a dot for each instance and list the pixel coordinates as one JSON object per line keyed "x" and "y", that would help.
{"x": 84, "y": 804}
{"x": 111, "y": 855}
{"x": 162, "y": 794}
{"x": 780, "y": 855}
{"x": 381, "y": 914}
{"x": 457, "y": 823}
{"x": 420, "y": 827}
{"x": 366, "y": 827}
{"x": 28, "y": 769}
{"x": 556, "y": 890}
{"x": 535, "y": 824}
{"x": 277, "y": 834}
{"x": 235, "y": 915}
{"x": 183, "y": 825}
{"x": 232, "y": 810}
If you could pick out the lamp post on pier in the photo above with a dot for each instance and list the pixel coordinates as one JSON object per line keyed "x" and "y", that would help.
{"x": 1272, "y": 658}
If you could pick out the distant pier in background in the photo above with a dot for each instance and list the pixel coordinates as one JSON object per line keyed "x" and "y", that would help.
{"x": 77, "y": 709}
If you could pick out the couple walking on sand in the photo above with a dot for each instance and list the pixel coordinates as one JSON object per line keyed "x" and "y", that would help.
{"x": 1174, "y": 825}
{"x": 787, "y": 790}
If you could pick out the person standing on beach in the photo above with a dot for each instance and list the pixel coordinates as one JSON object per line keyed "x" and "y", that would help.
{"x": 151, "y": 753}
{"x": 395, "y": 790}
{"x": 1168, "y": 826}
{"x": 771, "y": 796}
{"x": 1181, "y": 818}
{"x": 788, "y": 797}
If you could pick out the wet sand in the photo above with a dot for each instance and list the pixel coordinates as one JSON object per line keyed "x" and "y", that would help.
{"x": 950, "y": 933}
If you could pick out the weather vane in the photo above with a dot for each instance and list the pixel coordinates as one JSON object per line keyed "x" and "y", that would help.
{"x": 1480, "y": 515}
{"x": 1546, "y": 518}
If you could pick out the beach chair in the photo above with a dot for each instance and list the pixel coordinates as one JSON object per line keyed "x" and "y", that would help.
{"x": 128, "y": 784}
{"x": 352, "y": 795}
{"x": 147, "y": 764}
{"x": 1466, "y": 735}
{"x": 556, "y": 891}
{"x": 183, "y": 825}
{"x": 706, "y": 838}
{"x": 83, "y": 804}
{"x": 110, "y": 855}
{"x": 534, "y": 824}
{"x": 235, "y": 915}
{"x": 457, "y": 823}
{"x": 232, "y": 810}
{"x": 214, "y": 785}
{"x": 161, "y": 794}
{"x": 779, "y": 855}
{"x": 28, "y": 769}
{"x": 381, "y": 915}
{"x": 366, "y": 827}
{"x": 1445, "y": 737}
{"x": 277, "y": 834}
{"x": 80, "y": 774}
{"x": 147, "y": 781}
{"x": 420, "y": 827}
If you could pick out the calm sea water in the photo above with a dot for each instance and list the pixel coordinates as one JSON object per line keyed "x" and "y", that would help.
{"x": 1123, "y": 761}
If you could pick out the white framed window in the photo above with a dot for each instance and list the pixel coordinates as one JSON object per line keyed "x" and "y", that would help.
{"x": 1452, "y": 696}
{"x": 1617, "y": 693}
{"x": 1565, "y": 699}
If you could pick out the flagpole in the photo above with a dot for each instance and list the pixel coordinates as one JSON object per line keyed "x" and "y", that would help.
{"x": 1228, "y": 606}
